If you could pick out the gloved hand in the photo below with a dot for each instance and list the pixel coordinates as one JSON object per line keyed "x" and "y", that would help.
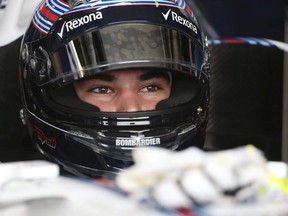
{"x": 192, "y": 176}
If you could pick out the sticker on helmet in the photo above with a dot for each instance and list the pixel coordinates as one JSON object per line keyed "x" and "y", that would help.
{"x": 179, "y": 19}
{"x": 51, "y": 142}
{"x": 76, "y": 23}
{"x": 138, "y": 142}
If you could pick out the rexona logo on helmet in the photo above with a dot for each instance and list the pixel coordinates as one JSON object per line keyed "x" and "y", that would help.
{"x": 70, "y": 43}
{"x": 179, "y": 19}
{"x": 74, "y": 24}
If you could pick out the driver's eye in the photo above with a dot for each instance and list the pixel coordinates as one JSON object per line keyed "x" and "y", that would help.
{"x": 150, "y": 88}
{"x": 102, "y": 90}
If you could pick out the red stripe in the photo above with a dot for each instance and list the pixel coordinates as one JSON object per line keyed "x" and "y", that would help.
{"x": 188, "y": 9}
{"x": 233, "y": 41}
{"x": 186, "y": 212}
{"x": 63, "y": 2}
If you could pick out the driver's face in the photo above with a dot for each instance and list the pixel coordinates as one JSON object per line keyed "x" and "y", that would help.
{"x": 124, "y": 91}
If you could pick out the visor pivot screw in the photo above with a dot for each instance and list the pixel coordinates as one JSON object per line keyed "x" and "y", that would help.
{"x": 25, "y": 53}
{"x": 23, "y": 117}
{"x": 199, "y": 110}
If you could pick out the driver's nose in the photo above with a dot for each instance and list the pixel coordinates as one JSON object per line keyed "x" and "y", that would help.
{"x": 128, "y": 102}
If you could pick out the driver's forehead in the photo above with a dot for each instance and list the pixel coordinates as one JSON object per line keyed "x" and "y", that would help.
{"x": 139, "y": 74}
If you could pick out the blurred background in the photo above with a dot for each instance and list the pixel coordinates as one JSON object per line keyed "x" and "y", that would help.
{"x": 248, "y": 95}
{"x": 256, "y": 18}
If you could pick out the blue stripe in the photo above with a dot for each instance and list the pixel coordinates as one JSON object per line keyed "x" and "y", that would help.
{"x": 256, "y": 41}
{"x": 181, "y": 3}
{"x": 39, "y": 27}
{"x": 108, "y": 3}
{"x": 61, "y": 5}
{"x": 56, "y": 8}
{"x": 263, "y": 42}
{"x": 214, "y": 41}
{"x": 42, "y": 22}
{"x": 248, "y": 40}
{"x": 53, "y": 10}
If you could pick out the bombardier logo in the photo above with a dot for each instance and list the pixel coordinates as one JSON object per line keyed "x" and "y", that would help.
{"x": 177, "y": 18}
{"x": 138, "y": 142}
{"x": 74, "y": 24}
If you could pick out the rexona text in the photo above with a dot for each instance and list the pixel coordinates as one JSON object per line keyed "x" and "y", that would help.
{"x": 183, "y": 21}
{"x": 73, "y": 24}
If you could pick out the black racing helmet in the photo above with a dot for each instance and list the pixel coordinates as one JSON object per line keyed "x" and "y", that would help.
{"x": 74, "y": 40}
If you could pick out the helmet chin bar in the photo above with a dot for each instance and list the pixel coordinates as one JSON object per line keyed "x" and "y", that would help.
{"x": 109, "y": 162}
{"x": 121, "y": 142}
{"x": 110, "y": 149}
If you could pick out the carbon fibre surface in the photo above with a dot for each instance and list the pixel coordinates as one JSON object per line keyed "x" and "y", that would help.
{"x": 245, "y": 97}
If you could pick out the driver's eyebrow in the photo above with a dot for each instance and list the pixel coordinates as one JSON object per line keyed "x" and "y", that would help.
{"x": 143, "y": 77}
{"x": 154, "y": 74}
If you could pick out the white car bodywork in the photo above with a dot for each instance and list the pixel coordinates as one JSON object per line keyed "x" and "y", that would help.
{"x": 15, "y": 16}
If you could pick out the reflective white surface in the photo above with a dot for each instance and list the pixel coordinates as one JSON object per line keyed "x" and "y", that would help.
{"x": 15, "y": 17}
